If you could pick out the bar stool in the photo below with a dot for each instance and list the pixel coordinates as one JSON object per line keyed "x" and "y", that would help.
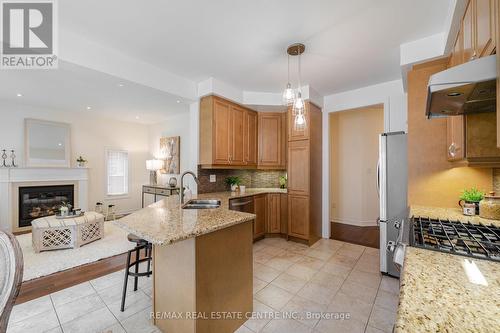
{"x": 141, "y": 244}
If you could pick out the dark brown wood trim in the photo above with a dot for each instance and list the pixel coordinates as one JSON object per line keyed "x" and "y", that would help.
{"x": 366, "y": 236}
{"x": 61, "y": 280}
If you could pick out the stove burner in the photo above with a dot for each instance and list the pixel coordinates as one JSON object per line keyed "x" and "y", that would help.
{"x": 473, "y": 240}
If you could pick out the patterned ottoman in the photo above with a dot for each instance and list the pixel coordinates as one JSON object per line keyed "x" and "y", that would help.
{"x": 50, "y": 233}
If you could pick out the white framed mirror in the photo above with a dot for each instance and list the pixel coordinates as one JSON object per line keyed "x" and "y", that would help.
{"x": 47, "y": 144}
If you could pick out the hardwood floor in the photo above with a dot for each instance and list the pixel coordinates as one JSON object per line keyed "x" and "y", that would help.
{"x": 366, "y": 236}
{"x": 48, "y": 284}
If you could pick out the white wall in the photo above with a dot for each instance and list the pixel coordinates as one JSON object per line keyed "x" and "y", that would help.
{"x": 90, "y": 136}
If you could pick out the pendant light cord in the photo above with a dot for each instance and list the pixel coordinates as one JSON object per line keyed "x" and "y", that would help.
{"x": 300, "y": 71}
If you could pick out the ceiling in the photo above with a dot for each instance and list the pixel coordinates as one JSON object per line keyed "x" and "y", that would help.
{"x": 349, "y": 44}
{"x": 73, "y": 88}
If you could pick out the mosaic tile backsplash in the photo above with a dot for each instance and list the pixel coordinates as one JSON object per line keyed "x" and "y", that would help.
{"x": 249, "y": 178}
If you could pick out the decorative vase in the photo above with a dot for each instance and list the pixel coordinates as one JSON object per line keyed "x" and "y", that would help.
{"x": 462, "y": 204}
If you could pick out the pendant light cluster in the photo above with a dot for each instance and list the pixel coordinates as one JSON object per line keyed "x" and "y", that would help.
{"x": 294, "y": 98}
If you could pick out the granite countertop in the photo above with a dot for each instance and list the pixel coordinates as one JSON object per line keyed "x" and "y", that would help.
{"x": 441, "y": 292}
{"x": 449, "y": 213}
{"x": 165, "y": 222}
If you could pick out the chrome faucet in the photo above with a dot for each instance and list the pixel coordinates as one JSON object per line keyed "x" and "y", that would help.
{"x": 182, "y": 183}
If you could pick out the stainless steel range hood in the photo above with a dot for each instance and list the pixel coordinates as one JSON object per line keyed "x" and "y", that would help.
{"x": 463, "y": 89}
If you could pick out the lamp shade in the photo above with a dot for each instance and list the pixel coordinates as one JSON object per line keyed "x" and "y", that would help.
{"x": 154, "y": 165}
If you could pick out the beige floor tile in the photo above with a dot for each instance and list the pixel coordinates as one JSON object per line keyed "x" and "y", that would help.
{"x": 258, "y": 285}
{"x": 370, "y": 329}
{"x": 359, "y": 291}
{"x": 301, "y": 272}
{"x": 265, "y": 273}
{"x": 371, "y": 280}
{"x": 382, "y": 319}
{"x": 328, "y": 280}
{"x": 387, "y": 300}
{"x": 114, "y": 293}
{"x": 273, "y": 250}
{"x": 40, "y": 322}
{"x": 72, "y": 293}
{"x": 279, "y": 264}
{"x": 290, "y": 256}
{"x": 133, "y": 304}
{"x": 341, "y": 326}
{"x": 306, "y": 310}
{"x": 351, "y": 250}
{"x": 317, "y": 293}
{"x": 140, "y": 322}
{"x": 78, "y": 308}
{"x": 243, "y": 329}
{"x": 274, "y": 297}
{"x": 371, "y": 251}
{"x": 311, "y": 262}
{"x": 289, "y": 283}
{"x": 55, "y": 330}
{"x": 95, "y": 321}
{"x": 336, "y": 269}
{"x": 107, "y": 281}
{"x": 25, "y": 310}
{"x": 260, "y": 317}
{"x": 357, "y": 309}
{"x": 262, "y": 257}
{"x": 343, "y": 260}
{"x": 368, "y": 267}
{"x": 390, "y": 285}
{"x": 285, "y": 325}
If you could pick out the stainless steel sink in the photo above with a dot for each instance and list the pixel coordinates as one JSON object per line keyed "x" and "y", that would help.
{"x": 201, "y": 204}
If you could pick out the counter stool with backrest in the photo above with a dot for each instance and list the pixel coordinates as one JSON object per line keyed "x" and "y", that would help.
{"x": 141, "y": 244}
{"x": 11, "y": 275}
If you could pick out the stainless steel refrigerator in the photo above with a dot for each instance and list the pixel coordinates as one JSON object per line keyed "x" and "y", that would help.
{"x": 392, "y": 185}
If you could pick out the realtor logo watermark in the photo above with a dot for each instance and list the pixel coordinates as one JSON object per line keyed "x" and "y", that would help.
{"x": 29, "y": 39}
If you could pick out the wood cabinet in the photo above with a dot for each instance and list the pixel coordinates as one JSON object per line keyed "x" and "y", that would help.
{"x": 250, "y": 138}
{"x": 305, "y": 177}
{"x": 455, "y": 139}
{"x": 272, "y": 140}
{"x": 273, "y": 222}
{"x": 497, "y": 36}
{"x": 468, "y": 34}
{"x": 228, "y": 134}
{"x": 260, "y": 205}
{"x": 481, "y": 133}
{"x": 284, "y": 213}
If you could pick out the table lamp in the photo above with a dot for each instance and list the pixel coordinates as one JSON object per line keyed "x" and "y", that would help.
{"x": 153, "y": 166}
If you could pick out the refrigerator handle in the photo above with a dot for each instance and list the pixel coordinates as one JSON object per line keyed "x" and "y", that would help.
{"x": 378, "y": 178}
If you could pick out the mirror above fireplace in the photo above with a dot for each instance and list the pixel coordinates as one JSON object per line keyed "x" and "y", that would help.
{"x": 47, "y": 143}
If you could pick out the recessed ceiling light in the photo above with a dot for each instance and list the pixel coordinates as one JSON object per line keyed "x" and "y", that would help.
{"x": 59, "y": 144}
{"x": 137, "y": 117}
{"x": 120, "y": 84}
{"x": 89, "y": 108}
{"x": 19, "y": 95}
{"x": 178, "y": 101}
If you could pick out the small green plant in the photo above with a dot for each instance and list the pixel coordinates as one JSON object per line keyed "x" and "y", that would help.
{"x": 233, "y": 180}
{"x": 282, "y": 180}
{"x": 80, "y": 159}
{"x": 472, "y": 195}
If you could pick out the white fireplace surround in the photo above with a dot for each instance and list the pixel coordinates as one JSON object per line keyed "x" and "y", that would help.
{"x": 11, "y": 178}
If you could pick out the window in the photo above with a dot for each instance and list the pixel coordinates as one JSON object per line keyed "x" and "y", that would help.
{"x": 117, "y": 172}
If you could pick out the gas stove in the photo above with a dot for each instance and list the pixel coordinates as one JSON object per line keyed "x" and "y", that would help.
{"x": 467, "y": 239}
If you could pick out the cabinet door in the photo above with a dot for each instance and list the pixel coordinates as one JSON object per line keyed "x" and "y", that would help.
{"x": 259, "y": 227}
{"x": 284, "y": 141}
{"x": 236, "y": 157}
{"x": 484, "y": 26}
{"x": 298, "y": 216}
{"x": 457, "y": 54}
{"x": 455, "y": 138}
{"x": 468, "y": 33}
{"x": 273, "y": 213}
{"x": 269, "y": 140}
{"x": 298, "y": 167}
{"x": 284, "y": 213}
{"x": 293, "y": 133}
{"x": 222, "y": 132}
{"x": 250, "y": 137}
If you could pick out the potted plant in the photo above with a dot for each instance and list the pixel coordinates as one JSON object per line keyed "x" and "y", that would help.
{"x": 471, "y": 196}
{"x": 233, "y": 182}
{"x": 282, "y": 180}
{"x": 81, "y": 162}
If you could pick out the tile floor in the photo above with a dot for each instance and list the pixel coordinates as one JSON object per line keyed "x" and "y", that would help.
{"x": 331, "y": 277}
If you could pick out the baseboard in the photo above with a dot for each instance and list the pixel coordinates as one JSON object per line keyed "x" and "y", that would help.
{"x": 366, "y": 236}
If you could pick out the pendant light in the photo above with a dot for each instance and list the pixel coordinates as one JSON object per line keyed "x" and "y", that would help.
{"x": 298, "y": 108}
{"x": 288, "y": 94}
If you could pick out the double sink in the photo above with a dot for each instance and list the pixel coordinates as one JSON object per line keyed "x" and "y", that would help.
{"x": 202, "y": 204}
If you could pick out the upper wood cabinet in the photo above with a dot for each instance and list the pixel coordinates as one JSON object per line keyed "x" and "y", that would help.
{"x": 468, "y": 34}
{"x": 273, "y": 213}
{"x": 272, "y": 140}
{"x": 228, "y": 134}
{"x": 455, "y": 138}
{"x": 250, "y": 137}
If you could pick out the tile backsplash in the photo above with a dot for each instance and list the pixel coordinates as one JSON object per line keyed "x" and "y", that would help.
{"x": 496, "y": 181}
{"x": 249, "y": 178}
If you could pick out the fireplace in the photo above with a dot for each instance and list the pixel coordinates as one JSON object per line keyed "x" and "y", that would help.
{"x": 40, "y": 201}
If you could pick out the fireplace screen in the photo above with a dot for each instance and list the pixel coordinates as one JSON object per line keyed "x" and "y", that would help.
{"x": 40, "y": 201}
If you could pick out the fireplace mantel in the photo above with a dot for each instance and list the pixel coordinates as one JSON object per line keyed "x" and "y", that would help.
{"x": 12, "y": 177}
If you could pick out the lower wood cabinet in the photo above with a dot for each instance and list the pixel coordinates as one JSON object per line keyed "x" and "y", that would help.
{"x": 298, "y": 216}
{"x": 259, "y": 204}
{"x": 273, "y": 222}
{"x": 284, "y": 213}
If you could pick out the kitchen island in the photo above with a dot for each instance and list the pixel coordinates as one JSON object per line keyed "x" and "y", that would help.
{"x": 202, "y": 264}
{"x": 443, "y": 292}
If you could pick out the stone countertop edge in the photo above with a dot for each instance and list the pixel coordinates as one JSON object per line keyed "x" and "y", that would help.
{"x": 454, "y": 214}
{"x": 165, "y": 222}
